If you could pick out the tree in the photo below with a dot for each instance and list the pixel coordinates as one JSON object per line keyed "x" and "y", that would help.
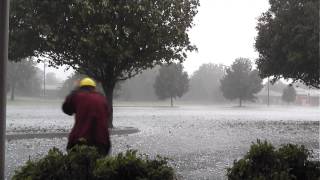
{"x": 288, "y": 41}
{"x": 289, "y": 94}
{"x": 51, "y": 78}
{"x": 277, "y": 86}
{"x": 72, "y": 82}
{"x": 171, "y": 82}
{"x": 241, "y": 82}
{"x": 139, "y": 88}
{"x": 108, "y": 40}
{"x": 22, "y": 75}
{"x": 205, "y": 83}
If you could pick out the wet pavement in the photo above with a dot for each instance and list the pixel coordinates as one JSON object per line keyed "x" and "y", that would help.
{"x": 201, "y": 141}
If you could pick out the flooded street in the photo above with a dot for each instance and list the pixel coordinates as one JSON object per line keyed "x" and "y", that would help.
{"x": 201, "y": 141}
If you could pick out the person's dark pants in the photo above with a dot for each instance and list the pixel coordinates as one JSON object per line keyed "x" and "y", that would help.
{"x": 103, "y": 149}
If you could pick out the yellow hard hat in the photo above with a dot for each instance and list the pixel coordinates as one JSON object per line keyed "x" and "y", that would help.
{"x": 87, "y": 82}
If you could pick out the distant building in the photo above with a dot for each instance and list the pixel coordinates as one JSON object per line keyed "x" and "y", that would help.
{"x": 305, "y": 97}
{"x": 274, "y": 96}
{"x": 51, "y": 90}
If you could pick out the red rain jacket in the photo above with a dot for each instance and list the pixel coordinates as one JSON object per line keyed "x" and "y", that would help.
{"x": 91, "y": 119}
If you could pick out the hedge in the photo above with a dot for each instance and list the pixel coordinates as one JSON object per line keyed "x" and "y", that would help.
{"x": 84, "y": 162}
{"x": 264, "y": 162}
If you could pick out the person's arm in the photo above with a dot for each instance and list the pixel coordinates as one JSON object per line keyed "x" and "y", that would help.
{"x": 67, "y": 106}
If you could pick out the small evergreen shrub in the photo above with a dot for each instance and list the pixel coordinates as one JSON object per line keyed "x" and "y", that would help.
{"x": 264, "y": 162}
{"x": 49, "y": 167}
{"x": 130, "y": 166}
{"x": 84, "y": 162}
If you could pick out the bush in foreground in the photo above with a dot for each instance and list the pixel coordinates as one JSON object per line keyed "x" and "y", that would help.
{"x": 264, "y": 162}
{"x": 83, "y": 162}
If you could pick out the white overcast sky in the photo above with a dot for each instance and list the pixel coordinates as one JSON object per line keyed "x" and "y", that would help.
{"x": 223, "y": 31}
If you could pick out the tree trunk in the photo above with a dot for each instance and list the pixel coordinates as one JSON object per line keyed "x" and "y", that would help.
{"x": 108, "y": 91}
{"x": 12, "y": 91}
{"x": 171, "y": 102}
{"x": 240, "y": 102}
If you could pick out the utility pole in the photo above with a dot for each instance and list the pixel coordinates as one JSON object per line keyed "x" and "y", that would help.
{"x": 309, "y": 98}
{"x": 44, "y": 78}
{"x": 268, "y": 101}
{"x": 4, "y": 35}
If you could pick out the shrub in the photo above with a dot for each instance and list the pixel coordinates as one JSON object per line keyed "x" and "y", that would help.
{"x": 83, "y": 162}
{"x": 263, "y": 162}
{"x": 130, "y": 166}
{"x": 49, "y": 167}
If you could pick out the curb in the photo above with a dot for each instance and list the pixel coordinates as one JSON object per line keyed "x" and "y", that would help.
{"x": 10, "y": 137}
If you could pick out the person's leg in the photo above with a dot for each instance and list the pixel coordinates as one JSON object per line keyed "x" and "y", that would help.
{"x": 103, "y": 149}
{"x": 70, "y": 145}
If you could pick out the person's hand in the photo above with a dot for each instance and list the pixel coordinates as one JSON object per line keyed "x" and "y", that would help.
{"x": 76, "y": 84}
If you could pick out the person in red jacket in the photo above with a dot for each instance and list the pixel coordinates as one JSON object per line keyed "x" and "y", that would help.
{"x": 91, "y": 117}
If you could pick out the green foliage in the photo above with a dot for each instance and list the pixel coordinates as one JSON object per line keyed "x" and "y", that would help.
{"x": 240, "y": 81}
{"x": 24, "y": 41}
{"x": 108, "y": 40}
{"x": 288, "y": 41}
{"x": 130, "y": 166}
{"x": 205, "y": 83}
{"x": 289, "y": 94}
{"x": 263, "y": 162}
{"x": 131, "y": 89}
{"x": 83, "y": 162}
{"x": 171, "y": 82}
{"x": 277, "y": 86}
{"x": 72, "y": 82}
{"x": 23, "y": 77}
{"x": 49, "y": 167}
